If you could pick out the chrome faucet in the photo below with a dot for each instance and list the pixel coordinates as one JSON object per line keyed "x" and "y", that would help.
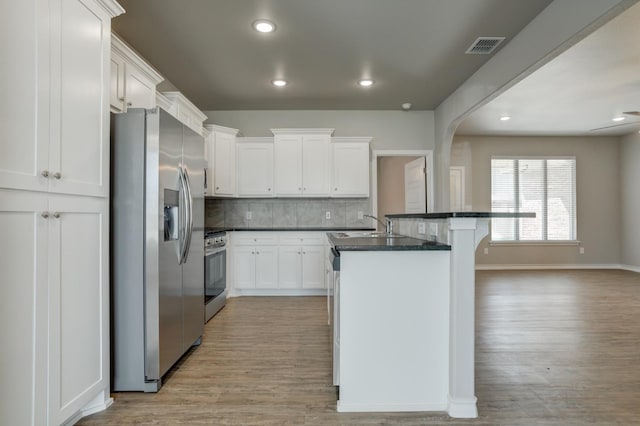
{"x": 388, "y": 225}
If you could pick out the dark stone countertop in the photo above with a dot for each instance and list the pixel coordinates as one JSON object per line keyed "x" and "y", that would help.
{"x": 446, "y": 215}
{"x": 293, "y": 229}
{"x": 399, "y": 243}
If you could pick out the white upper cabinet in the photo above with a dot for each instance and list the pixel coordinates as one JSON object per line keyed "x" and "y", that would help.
{"x": 185, "y": 111}
{"x": 350, "y": 171}
{"x": 302, "y": 162}
{"x": 221, "y": 160}
{"x": 255, "y": 167}
{"x": 133, "y": 81}
{"x": 55, "y": 137}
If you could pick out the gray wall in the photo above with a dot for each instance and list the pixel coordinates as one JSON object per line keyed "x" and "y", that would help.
{"x": 597, "y": 196}
{"x": 630, "y": 200}
{"x": 389, "y": 129}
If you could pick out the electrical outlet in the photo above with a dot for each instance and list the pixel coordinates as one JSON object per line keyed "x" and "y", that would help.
{"x": 581, "y": 250}
{"x": 433, "y": 229}
{"x": 486, "y": 250}
{"x": 327, "y": 215}
{"x": 360, "y": 215}
{"x": 248, "y": 216}
{"x": 421, "y": 228}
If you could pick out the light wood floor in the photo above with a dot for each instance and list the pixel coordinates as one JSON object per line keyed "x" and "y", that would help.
{"x": 552, "y": 347}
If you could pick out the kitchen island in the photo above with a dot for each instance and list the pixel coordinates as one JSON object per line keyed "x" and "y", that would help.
{"x": 391, "y": 302}
{"x": 405, "y": 315}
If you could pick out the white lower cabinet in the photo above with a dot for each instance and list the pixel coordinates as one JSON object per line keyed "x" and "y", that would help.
{"x": 54, "y": 255}
{"x": 277, "y": 261}
{"x": 300, "y": 267}
{"x": 255, "y": 262}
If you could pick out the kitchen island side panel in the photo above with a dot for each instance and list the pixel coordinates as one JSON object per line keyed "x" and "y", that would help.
{"x": 394, "y": 330}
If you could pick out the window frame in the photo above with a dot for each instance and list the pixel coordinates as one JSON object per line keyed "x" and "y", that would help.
{"x": 545, "y": 241}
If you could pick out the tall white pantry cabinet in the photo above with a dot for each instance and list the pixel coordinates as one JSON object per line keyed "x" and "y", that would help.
{"x": 54, "y": 189}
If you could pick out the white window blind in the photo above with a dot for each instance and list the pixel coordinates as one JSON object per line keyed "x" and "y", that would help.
{"x": 544, "y": 186}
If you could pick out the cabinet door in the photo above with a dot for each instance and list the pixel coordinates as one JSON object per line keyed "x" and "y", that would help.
{"x": 224, "y": 171}
{"x": 255, "y": 169}
{"x": 315, "y": 165}
{"x": 288, "y": 165}
{"x": 24, "y": 143}
{"x": 289, "y": 267}
{"x": 312, "y": 267}
{"x": 140, "y": 90}
{"x": 79, "y": 147}
{"x": 116, "y": 87}
{"x": 78, "y": 303}
{"x": 244, "y": 267}
{"x": 350, "y": 170}
{"x": 209, "y": 150}
{"x": 23, "y": 318}
{"x": 266, "y": 267}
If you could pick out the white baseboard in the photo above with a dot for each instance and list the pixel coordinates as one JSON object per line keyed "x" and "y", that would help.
{"x": 463, "y": 408}
{"x": 378, "y": 408}
{"x": 630, "y": 268}
{"x": 277, "y": 292}
{"x": 513, "y": 267}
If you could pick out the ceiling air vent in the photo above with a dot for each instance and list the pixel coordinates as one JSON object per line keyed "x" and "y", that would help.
{"x": 484, "y": 45}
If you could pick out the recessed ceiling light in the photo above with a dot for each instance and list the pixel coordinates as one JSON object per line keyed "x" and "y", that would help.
{"x": 279, "y": 83}
{"x": 264, "y": 26}
{"x": 505, "y": 118}
{"x": 365, "y": 82}
{"x": 617, "y": 119}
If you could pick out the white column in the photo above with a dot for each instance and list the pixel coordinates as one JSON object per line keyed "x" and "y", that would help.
{"x": 464, "y": 236}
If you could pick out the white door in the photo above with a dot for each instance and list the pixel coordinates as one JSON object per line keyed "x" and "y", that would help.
{"x": 415, "y": 193}
{"x": 116, "y": 87}
{"x": 315, "y": 165}
{"x": 24, "y": 142}
{"x": 289, "y": 267}
{"x": 255, "y": 169}
{"x": 288, "y": 165}
{"x": 244, "y": 267}
{"x": 140, "y": 90}
{"x": 266, "y": 267}
{"x": 78, "y": 295}
{"x": 456, "y": 188}
{"x": 80, "y": 103}
{"x": 313, "y": 267}
{"x": 224, "y": 169}
{"x": 350, "y": 170}
{"x": 23, "y": 297}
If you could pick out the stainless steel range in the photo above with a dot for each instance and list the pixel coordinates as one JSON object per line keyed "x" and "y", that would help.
{"x": 215, "y": 272}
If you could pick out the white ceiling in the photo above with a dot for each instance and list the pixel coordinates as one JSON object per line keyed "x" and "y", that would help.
{"x": 413, "y": 49}
{"x": 580, "y": 90}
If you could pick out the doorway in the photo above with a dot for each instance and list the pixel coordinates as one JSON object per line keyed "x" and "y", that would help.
{"x": 401, "y": 182}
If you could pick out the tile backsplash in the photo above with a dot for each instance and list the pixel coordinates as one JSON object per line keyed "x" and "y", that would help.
{"x": 287, "y": 213}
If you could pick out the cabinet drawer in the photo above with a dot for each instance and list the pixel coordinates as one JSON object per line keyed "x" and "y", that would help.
{"x": 255, "y": 239}
{"x": 304, "y": 238}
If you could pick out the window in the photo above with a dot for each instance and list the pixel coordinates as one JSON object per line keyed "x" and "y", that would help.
{"x": 545, "y": 186}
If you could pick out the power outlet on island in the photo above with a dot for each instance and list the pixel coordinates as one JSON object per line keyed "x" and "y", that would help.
{"x": 433, "y": 229}
{"x": 248, "y": 215}
{"x": 360, "y": 215}
{"x": 327, "y": 215}
{"x": 421, "y": 228}
{"x": 581, "y": 250}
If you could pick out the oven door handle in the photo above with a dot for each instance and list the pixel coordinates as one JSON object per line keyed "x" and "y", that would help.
{"x": 216, "y": 250}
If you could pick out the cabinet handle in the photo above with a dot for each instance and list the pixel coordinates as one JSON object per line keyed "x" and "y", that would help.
{"x": 121, "y": 99}
{"x": 299, "y": 189}
{"x": 304, "y": 189}
{"x": 56, "y": 215}
{"x": 45, "y": 173}
{"x": 129, "y": 103}
{"x": 269, "y": 189}
{"x": 253, "y": 252}
{"x": 57, "y": 175}
{"x": 217, "y": 188}
{"x": 304, "y": 252}
{"x": 257, "y": 252}
{"x": 45, "y": 215}
{"x": 298, "y": 252}
{"x": 335, "y": 189}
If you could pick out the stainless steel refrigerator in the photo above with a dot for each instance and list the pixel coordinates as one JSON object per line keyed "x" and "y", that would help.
{"x": 157, "y": 245}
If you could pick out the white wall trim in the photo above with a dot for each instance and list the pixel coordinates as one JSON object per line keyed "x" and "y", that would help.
{"x": 239, "y": 292}
{"x": 426, "y": 153}
{"x": 498, "y": 267}
{"x": 630, "y": 268}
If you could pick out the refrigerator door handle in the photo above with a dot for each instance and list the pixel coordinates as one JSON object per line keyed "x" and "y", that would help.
{"x": 189, "y": 197}
{"x": 184, "y": 214}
